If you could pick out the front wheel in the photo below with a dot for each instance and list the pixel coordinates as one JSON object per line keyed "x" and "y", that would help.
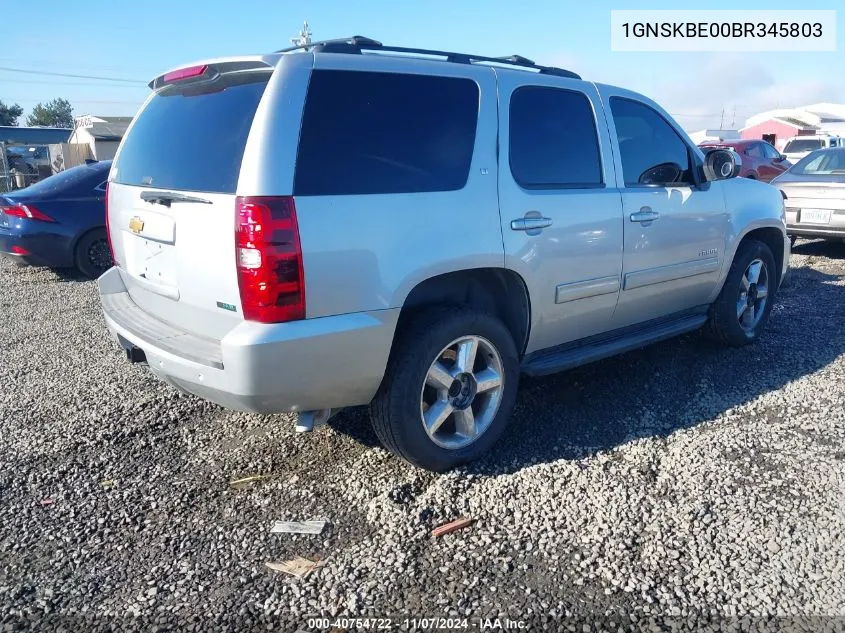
{"x": 742, "y": 309}
{"x": 449, "y": 389}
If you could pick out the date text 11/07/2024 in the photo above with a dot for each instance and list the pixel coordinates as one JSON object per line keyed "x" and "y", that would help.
{"x": 416, "y": 624}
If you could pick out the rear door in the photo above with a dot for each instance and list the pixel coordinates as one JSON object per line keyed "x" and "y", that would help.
{"x": 172, "y": 196}
{"x": 561, "y": 212}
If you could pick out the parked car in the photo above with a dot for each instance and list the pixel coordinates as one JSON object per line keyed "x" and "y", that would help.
{"x": 798, "y": 147}
{"x": 317, "y": 228}
{"x": 59, "y": 221}
{"x": 814, "y": 190}
{"x": 760, "y": 161}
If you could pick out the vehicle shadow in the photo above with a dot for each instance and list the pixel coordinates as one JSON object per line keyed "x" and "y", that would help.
{"x": 657, "y": 390}
{"x": 832, "y": 249}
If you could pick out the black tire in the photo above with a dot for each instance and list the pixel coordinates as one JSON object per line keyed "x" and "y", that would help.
{"x": 752, "y": 177}
{"x": 395, "y": 412}
{"x": 724, "y": 325}
{"x": 92, "y": 255}
{"x": 792, "y": 240}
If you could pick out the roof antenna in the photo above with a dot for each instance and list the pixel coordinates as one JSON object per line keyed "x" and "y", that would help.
{"x": 303, "y": 38}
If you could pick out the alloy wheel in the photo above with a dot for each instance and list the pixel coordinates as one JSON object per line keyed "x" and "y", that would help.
{"x": 753, "y": 295}
{"x": 462, "y": 392}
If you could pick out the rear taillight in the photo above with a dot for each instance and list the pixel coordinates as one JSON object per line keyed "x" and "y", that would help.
{"x": 108, "y": 228}
{"x": 185, "y": 73}
{"x": 27, "y": 211}
{"x": 19, "y": 250}
{"x": 269, "y": 259}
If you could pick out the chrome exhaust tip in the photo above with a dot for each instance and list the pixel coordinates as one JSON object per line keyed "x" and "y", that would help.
{"x": 307, "y": 420}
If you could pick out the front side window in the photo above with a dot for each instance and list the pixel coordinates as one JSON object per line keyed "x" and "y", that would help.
{"x": 770, "y": 151}
{"x": 553, "y": 139}
{"x": 652, "y": 152}
{"x": 381, "y": 133}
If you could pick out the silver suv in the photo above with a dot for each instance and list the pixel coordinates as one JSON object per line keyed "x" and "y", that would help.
{"x": 349, "y": 223}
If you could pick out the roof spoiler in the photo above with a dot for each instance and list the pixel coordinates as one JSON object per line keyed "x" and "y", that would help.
{"x": 211, "y": 68}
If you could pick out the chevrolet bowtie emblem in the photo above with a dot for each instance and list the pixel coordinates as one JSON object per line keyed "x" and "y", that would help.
{"x": 136, "y": 224}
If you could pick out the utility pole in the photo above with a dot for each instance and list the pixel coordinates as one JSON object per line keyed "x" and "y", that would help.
{"x": 722, "y": 120}
{"x": 733, "y": 118}
{"x": 303, "y": 38}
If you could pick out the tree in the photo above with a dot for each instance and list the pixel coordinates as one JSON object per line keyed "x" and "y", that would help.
{"x": 55, "y": 113}
{"x": 9, "y": 114}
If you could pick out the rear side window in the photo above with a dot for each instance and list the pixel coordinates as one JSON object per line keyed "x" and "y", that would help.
{"x": 553, "y": 140}
{"x": 378, "y": 133}
{"x": 192, "y": 138}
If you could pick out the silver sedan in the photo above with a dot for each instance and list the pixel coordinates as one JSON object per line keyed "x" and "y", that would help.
{"x": 814, "y": 190}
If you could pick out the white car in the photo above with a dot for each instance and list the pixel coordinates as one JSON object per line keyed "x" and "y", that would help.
{"x": 798, "y": 147}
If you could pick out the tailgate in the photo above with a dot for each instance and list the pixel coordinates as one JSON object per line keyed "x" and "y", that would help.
{"x": 172, "y": 198}
{"x": 178, "y": 262}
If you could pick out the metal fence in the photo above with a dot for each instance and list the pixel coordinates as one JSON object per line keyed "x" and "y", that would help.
{"x": 11, "y": 181}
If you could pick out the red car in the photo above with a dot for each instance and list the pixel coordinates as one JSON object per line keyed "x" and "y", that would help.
{"x": 760, "y": 160}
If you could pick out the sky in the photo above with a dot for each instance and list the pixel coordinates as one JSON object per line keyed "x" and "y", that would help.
{"x": 133, "y": 42}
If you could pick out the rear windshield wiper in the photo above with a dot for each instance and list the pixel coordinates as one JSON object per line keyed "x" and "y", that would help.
{"x": 157, "y": 197}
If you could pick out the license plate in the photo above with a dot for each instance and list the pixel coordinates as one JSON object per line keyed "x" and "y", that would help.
{"x": 815, "y": 216}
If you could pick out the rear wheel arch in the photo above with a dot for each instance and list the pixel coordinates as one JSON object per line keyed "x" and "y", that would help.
{"x": 500, "y": 292}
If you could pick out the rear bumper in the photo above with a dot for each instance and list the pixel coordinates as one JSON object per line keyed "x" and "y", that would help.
{"x": 329, "y": 362}
{"x": 834, "y": 228}
{"x": 42, "y": 249}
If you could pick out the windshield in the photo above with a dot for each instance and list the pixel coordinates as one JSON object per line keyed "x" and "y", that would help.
{"x": 72, "y": 181}
{"x": 821, "y": 163}
{"x": 802, "y": 145}
{"x": 192, "y": 138}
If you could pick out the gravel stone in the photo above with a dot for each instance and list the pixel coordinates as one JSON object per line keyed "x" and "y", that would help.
{"x": 667, "y": 489}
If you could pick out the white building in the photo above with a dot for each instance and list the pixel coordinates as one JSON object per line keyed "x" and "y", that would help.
{"x": 825, "y": 118}
{"x": 97, "y": 137}
{"x": 714, "y": 135}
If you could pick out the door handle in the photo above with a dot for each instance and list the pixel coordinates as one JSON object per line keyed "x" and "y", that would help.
{"x": 530, "y": 224}
{"x": 645, "y": 215}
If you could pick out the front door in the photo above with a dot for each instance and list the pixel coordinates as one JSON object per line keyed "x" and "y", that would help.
{"x": 675, "y": 225}
{"x": 561, "y": 212}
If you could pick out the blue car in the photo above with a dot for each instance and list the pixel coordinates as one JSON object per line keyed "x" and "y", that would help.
{"x": 60, "y": 221}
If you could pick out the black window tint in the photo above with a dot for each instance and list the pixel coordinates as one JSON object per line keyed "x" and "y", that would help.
{"x": 371, "y": 133}
{"x": 553, "y": 140}
{"x": 647, "y": 143}
{"x": 193, "y": 138}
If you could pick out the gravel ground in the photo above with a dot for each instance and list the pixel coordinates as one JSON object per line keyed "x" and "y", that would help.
{"x": 675, "y": 486}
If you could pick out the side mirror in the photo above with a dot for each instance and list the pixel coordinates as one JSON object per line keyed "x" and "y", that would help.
{"x": 721, "y": 164}
{"x": 779, "y": 158}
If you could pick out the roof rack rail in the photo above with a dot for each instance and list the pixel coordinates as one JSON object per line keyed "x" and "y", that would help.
{"x": 358, "y": 43}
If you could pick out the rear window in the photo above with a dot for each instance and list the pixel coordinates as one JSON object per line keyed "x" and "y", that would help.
{"x": 821, "y": 163}
{"x": 192, "y": 138}
{"x": 802, "y": 145}
{"x": 80, "y": 180}
{"x": 379, "y": 133}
